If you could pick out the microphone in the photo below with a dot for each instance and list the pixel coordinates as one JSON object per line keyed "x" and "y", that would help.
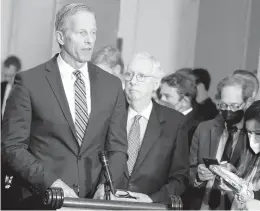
{"x": 104, "y": 162}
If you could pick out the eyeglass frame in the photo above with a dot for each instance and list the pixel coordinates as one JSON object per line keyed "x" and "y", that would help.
{"x": 230, "y": 106}
{"x": 137, "y": 76}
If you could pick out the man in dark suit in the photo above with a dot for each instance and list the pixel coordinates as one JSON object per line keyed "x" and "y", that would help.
{"x": 222, "y": 138}
{"x": 10, "y": 67}
{"x": 178, "y": 91}
{"x": 157, "y": 139}
{"x": 206, "y": 108}
{"x": 61, "y": 113}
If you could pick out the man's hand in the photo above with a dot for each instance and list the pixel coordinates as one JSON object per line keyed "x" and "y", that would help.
{"x": 204, "y": 173}
{"x": 68, "y": 192}
{"x": 100, "y": 193}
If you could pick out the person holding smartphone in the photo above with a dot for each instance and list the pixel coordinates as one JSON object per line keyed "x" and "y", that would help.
{"x": 222, "y": 138}
{"x": 249, "y": 168}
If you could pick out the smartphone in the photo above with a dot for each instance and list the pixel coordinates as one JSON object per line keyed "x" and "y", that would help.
{"x": 210, "y": 161}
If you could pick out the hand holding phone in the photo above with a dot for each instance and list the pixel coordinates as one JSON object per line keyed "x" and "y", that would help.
{"x": 210, "y": 161}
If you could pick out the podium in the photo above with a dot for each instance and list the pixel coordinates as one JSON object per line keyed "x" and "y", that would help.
{"x": 54, "y": 199}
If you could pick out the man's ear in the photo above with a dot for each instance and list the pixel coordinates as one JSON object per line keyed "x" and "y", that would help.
{"x": 186, "y": 100}
{"x": 249, "y": 102}
{"x": 60, "y": 37}
{"x": 157, "y": 84}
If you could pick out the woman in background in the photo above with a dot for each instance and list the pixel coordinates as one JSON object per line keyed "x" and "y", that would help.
{"x": 249, "y": 169}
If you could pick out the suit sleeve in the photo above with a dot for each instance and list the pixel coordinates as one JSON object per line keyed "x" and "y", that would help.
{"x": 257, "y": 195}
{"x": 117, "y": 138}
{"x": 16, "y": 128}
{"x": 178, "y": 178}
{"x": 194, "y": 151}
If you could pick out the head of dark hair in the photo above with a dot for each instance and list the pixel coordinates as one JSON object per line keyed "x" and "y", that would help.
{"x": 184, "y": 84}
{"x": 202, "y": 76}
{"x": 13, "y": 60}
{"x": 253, "y": 111}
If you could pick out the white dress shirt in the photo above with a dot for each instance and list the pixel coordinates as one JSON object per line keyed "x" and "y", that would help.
{"x": 68, "y": 80}
{"x": 6, "y": 95}
{"x": 145, "y": 115}
{"x": 187, "y": 111}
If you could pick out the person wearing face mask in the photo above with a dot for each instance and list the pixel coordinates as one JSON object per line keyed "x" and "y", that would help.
{"x": 222, "y": 138}
{"x": 249, "y": 168}
{"x": 178, "y": 91}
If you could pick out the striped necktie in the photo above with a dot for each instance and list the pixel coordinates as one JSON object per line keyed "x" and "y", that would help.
{"x": 133, "y": 143}
{"x": 81, "y": 107}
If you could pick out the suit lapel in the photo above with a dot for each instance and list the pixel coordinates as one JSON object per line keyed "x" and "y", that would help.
{"x": 215, "y": 135}
{"x": 54, "y": 79}
{"x": 91, "y": 128}
{"x": 241, "y": 142}
{"x": 152, "y": 133}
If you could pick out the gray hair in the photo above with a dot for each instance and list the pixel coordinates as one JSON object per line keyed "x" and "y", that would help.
{"x": 157, "y": 70}
{"x": 234, "y": 80}
{"x": 69, "y": 10}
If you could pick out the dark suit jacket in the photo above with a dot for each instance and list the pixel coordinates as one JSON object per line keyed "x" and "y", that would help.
{"x": 192, "y": 120}
{"x": 39, "y": 137}
{"x": 3, "y": 87}
{"x": 205, "y": 144}
{"x": 207, "y": 110}
{"x": 161, "y": 168}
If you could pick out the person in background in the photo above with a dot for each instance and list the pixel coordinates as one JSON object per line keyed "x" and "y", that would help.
{"x": 249, "y": 76}
{"x": 11, "y": 66}
{"x": 222, "y": 138}
{"x": 109, "y": 59}
{"x": 178, "y": 91}
{"x": 205, "y": 106}
{"x": 157, "y": 139}
{"x": 249, "y": 168}
{"x": 62, "y": 113}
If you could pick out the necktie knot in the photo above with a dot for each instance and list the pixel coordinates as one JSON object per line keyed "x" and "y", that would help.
{"x": 78, "y": 74}
{"x": 137, "y": 118}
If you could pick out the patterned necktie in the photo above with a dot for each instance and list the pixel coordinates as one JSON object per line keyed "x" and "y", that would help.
{"x": 81, "y": 107}
{"x": 133, "y": 143}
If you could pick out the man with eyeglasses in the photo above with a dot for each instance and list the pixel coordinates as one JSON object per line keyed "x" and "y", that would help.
{"x": 157, "y": 166}
{"x": 222, "y": 138}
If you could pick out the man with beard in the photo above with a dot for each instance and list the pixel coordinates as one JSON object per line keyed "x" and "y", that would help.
{"x": 222, "y": 138}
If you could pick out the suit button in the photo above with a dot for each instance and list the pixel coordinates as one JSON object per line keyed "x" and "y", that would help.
{"x": 75, "y": 186}
{"x": 79, "y": 157}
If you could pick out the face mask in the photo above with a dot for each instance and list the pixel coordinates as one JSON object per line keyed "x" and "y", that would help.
{"x": 232, "y": 117}
{"x": 254, "y": 141}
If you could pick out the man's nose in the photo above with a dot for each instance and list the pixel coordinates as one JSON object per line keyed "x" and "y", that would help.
{"x": 89, "y": 39}
{"x": 133, "y": 80}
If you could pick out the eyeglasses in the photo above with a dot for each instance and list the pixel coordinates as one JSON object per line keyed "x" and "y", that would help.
{"x": 233, "y": 106}
{"x": 128, "y": 76}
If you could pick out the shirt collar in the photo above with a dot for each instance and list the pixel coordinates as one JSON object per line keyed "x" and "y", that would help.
{"x": 187, "y": 111}
{"x": 67, "y": 70}
{"x": 145, "y": 113}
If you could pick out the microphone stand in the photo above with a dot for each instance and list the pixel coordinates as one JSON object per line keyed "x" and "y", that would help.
{"x": 107, "y": 191}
